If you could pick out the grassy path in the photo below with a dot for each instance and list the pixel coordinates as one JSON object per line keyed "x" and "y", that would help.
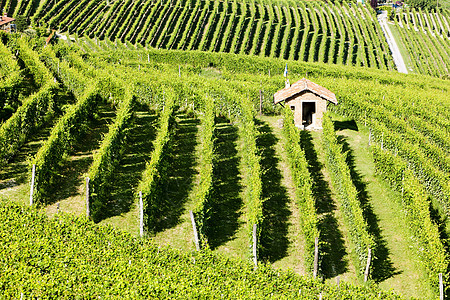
{"x": 293, "y": 254}
{"x": 14, "y": 181}
{"x": 70, "y": 193}
{"x": 122, "y": 208}
{"x": 335, "y": 248}
{"x": 396, "y": 265}
{"x": 228, "y": 235}
{"x": 175, "y": 228}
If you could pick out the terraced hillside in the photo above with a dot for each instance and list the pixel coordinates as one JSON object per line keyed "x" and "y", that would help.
{"x": 306, "y": 31}
{"x": 425, "y": 38}
{"x": 181, "y": 127}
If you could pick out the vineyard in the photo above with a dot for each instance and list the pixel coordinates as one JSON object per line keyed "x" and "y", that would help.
{"x": 426, "y": 39}
{"x": 306, "y": 31}
{"x": 104, "y": 133}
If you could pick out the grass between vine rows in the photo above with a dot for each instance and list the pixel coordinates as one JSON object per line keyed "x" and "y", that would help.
{"x": 401, "y": 47}
{"x": 395, "y": 265}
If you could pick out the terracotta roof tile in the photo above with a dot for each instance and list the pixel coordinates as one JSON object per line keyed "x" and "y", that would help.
{"x": 6, "y": 20}
{"x": 301, "y": 86}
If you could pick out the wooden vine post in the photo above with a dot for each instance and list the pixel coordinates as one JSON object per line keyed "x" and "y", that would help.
{"x": 255, "y": 240}
{"x": 260, "y": 102}
{"x": 194, "y": 228}
{"x": 141, "y": 215}
{"x": 316, "y": 257}
{"x": 366, "y": 272}
{"x": 88, "y": 212}
{"x": 33, "y": 174}
{"x": 441, "y": 287}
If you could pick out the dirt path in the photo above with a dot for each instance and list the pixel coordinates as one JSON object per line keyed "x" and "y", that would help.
{"x": 398, "y": 59}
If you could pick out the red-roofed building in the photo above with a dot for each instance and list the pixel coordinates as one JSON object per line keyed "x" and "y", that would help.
{"x": 308, "y": 101}
{"x": 6, "y": 22}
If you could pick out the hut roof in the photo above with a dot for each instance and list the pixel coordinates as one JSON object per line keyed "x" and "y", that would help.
{"x": 301, "y": 86}
{"x": 5, "y": 20}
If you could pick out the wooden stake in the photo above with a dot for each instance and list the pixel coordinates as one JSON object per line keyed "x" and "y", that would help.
{"x": 260, "y": 102}
{"x": 33, "y": 173}
{"x": 88, "y": 212}
{"x": 179, "y": 71}
{"x": 255, "y": 254}
{"x": 57, "y": 208}
{"x": 141, "y": 215}
{"x": 194, "y": 227}
{"x": 338, "y": 281}
{"x": 148, "y": 57}
{"x": 441, "y": 287}
{"x": 366, "y": 273}
{"x": 316, "y": 257}
{"x": 403, "y": 178}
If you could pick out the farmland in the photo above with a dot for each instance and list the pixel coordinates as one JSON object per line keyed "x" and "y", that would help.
{"x": 140, "y": 109}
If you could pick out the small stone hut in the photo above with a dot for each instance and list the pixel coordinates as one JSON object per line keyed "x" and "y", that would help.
{"x": 308, "y": 101}
{"x": 6, "y": 23}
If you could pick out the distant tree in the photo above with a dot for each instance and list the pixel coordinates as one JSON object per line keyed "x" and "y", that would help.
{"x": 422, "y": 4}
{"x": 21, "y": 23}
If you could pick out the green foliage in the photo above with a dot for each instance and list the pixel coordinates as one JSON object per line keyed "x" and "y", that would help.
{"x": 153, "y": 181}
{"x": 30, "y": 116}
{"x": 347, "y": 194}
{"x": 21, "y": 23}
{"x": 282, "y": 29}
{"x": 35, "y": 109}
{"x": 63, "y": 136}
{"x": 10, "y": 78}
{"x": 303, "y": 186}
{"x": 252, "y": 171}
{"x": 422, "y": 4}
{"x": 108, "y": 156}
{"x": 41, "y": 74}
{"x": 416, "y": 204}
{"x": 68, "y": 257}
{"x": 203, "y": 191}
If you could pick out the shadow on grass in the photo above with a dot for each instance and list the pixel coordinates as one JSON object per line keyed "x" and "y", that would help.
{"x": 347, "y": 124}
{"x": 332, "y": 250}
{"x": 382, "y": 267}
{"x": 274, "y": 241}
{"x": 16, "y": 172}
{"x": 72, "y": 172}
{"x": 138, "y": 149}
{"x": 441, "y": 220}
{"x": 180, "y": 172}
{"x": 224, "y": 216}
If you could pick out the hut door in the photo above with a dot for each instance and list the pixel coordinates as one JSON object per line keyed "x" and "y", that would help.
{"x": 308, "y": 109}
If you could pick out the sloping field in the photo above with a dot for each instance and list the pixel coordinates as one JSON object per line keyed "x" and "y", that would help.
{"x": 182, "y": 128}
{"x": 306, "y": 31}
{"x": 426, "y": 37}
